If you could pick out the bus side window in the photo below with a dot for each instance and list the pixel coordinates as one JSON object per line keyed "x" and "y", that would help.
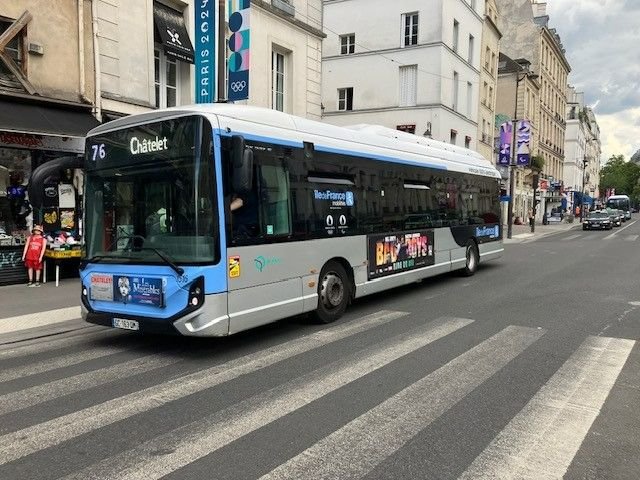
{"x": 275, "y": 200}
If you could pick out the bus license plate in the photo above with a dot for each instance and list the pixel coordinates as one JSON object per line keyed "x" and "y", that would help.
{"x": 126, "y": 324}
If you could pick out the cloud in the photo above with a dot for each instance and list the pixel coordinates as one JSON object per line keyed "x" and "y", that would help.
{"x": 620, "y": 133}
{"x": 600, "y": 38}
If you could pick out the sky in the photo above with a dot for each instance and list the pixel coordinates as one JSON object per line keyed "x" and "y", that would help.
{"x": 602, "y": 43}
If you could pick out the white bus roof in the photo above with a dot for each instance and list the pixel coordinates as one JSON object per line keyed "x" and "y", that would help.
{"x": 361, "y": 140}
{"x": 618, "y": 197}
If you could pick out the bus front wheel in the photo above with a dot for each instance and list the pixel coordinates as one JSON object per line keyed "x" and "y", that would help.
{"x": 334, "y": 292}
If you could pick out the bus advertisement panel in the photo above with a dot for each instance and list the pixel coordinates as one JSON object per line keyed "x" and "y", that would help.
{"x": 400, "y": 252}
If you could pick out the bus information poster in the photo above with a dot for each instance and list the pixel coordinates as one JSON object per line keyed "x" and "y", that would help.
{"x": 399, "y": 252}
{"x": 138, "y": 290}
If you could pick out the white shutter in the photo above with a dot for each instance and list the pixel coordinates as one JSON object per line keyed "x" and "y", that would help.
{"x": 408, "y": 85}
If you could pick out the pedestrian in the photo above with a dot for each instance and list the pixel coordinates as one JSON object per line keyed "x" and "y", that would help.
{"x": 33, "y": 254}
{"x": 531, "y": 219}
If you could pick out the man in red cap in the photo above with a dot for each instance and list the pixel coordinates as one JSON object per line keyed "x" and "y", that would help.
{"x": 33, "y": 254}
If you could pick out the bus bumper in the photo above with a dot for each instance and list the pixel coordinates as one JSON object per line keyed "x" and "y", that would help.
{"x": 211, "y": 320}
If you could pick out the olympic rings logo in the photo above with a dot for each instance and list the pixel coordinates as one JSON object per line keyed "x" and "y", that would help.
{"x": 238, "y": 86}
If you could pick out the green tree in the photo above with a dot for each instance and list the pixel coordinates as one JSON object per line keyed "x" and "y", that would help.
{"x": 621, "y": 175}
{"x": 537, "y": 163}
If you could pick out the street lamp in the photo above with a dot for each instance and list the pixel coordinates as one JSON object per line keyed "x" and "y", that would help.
{"x": 525, "y": 73}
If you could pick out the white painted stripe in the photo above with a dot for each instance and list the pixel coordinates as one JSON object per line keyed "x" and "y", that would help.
{"x": 572, "y": 237}
{"x": 190, "y": 442}
{"x": 53, "y": 432}
{"x": 609, "y": 237}
{"x": 79, "y": 338}
{"x": 49, "y": 364}
{"x": 29, "y": 397}
{"x": 541, "y": 441}
{"x": 39, "y": 319}
{"x": 631, "y": 238}
{"x": 355, "y": 449}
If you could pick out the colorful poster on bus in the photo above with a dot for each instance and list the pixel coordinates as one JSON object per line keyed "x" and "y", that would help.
{"x": 138, "y": 290}
{"x": 399, "y": 252}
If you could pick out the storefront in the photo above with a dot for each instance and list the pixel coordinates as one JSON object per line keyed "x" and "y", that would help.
{"x": 32, "y": 134}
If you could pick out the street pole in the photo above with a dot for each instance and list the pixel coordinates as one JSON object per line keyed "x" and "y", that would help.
{"x": 584, "y": 169}
{"x": 512, "y": 176}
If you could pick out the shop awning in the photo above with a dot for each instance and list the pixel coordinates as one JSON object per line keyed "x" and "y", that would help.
{"x": 173, "y": 33}
{"x": 42, "y": 119}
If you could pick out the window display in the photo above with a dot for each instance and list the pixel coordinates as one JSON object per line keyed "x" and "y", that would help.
{"x": 15, "y": 209}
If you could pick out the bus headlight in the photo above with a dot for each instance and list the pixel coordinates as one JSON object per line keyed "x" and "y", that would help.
{"x": 196, "y": 292}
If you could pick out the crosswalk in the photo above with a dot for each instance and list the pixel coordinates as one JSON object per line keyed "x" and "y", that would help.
{"x": 598, "y": 236}
{"x": 59, "y": 398}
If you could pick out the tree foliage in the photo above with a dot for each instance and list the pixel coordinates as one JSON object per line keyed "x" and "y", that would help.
{"x": 537, "y": 163}
{"x": 622, "y": 175}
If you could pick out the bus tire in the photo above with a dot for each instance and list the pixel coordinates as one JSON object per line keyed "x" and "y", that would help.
{"x": 334, "y": 293}
{"x": 472, "y": 259}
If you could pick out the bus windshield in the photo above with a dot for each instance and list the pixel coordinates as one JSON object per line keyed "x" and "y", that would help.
{"x": 152, "y": 188}
{"x": 619, "y": 203}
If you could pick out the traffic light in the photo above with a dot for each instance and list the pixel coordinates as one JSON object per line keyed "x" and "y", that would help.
{"x": 535, "y": 182}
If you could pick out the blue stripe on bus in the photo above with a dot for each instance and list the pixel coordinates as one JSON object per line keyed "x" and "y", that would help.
{"x": 278, "y": 141}
{"x": 260, "y": 138}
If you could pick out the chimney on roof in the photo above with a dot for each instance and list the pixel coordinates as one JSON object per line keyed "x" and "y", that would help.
{"x": 539, "y": 9}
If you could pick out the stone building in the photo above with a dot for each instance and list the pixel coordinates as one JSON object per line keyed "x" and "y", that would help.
{"x": 489, "y": 50}
{"x": 527, "y": 34}
{"x": 46, "y": 107}
{"x": 411, "y": 65}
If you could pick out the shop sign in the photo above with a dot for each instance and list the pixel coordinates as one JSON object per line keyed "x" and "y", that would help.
{"x": 32, "y": 141}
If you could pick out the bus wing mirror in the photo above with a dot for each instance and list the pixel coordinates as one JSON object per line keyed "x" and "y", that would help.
{"x": 242, "y": 165}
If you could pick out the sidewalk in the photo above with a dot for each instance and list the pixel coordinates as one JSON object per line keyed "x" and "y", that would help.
{"x": 27, "y": 313}
{"x": 521, "y": 233}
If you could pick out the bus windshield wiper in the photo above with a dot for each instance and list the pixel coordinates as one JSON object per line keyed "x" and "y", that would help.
{"x": 164, "y": 257}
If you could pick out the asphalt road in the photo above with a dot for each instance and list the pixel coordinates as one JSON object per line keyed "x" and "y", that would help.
{"x": 529, "y": 369}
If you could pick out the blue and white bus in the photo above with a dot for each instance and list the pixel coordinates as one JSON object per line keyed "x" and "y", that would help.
{"x": 209, "y": 220}
{"x": 622, "y": 203}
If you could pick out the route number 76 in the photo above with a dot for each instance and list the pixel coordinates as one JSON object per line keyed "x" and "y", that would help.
{"x": 98, "y": 152}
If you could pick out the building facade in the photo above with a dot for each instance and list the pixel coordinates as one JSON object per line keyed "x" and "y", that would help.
{"x": 411, "y": 65}
{"x": 526, "y": 34}
{"x": 46, "y": 108}
{"x": 519, "y": 98}
{"x": 582, "y": 151}
{"x": 140, "y": 67}
{"x": 489, "y": 50}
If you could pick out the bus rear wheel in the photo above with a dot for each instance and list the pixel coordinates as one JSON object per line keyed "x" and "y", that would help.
{"x": 472, "y": 259}
{"x": 334, "y": 293}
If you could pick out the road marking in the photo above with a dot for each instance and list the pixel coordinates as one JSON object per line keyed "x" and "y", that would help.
{"x": 571, "y": 237}
{"x": 49, "y": 364}
{"x": 41, "y": 345}
{"x": 29, "y": 397}
{"x": 193, "y": 441}
{"x": 541, "y": 441}
{"x": 39, "y": 319}
{"x": 608, "y": 237}
{"x": 357, "y": 448}
{"x": 631, "y": 238}
{"x": 53, "y": 432}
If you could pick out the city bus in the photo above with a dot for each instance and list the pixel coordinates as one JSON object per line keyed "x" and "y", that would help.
{"x": 622, "y": 203}
{"x": 213, "y": 219}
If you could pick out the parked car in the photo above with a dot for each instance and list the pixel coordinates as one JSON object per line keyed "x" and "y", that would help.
{"x": 597, "y": 221}
{"x": 614, "y": 214}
